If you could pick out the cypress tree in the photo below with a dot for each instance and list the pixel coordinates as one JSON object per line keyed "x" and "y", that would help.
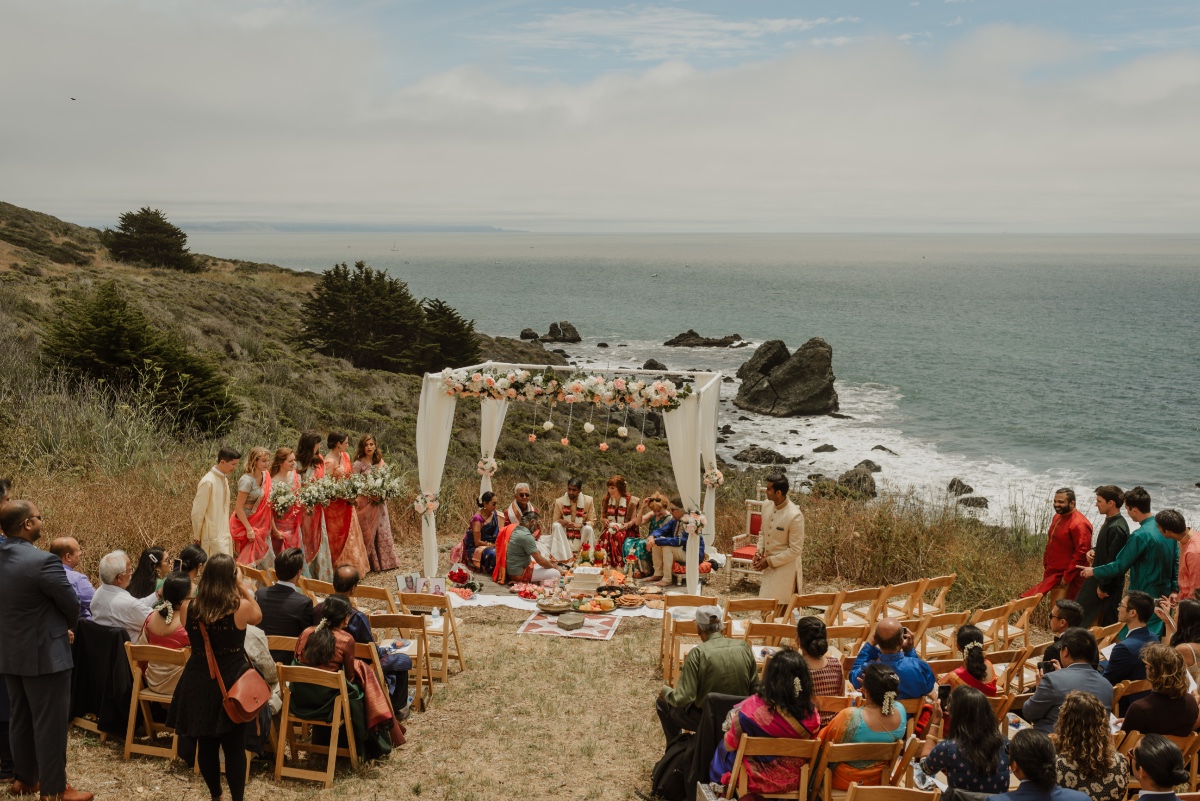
{"x": 146, "y": 237}
{"x": 454, "y": 337}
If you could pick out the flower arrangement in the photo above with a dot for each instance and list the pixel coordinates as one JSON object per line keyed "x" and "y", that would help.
{"x": 283, "y": 499}
{"x": 660, "y": 394}
{"x": 713, "y": 478}
{"x": 459, "y": 576}
{"x": 319, "y": 492}
{"x": 487, "y": 466}
{"x": 694, "y": 523}
{"x": 426, "y": 503}
{"x": 603, "y": 447}
{"x": 622, "y": 432}
{"x": 380, "y": 485}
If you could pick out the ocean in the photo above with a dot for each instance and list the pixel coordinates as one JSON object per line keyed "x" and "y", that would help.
{"x": 1017, "y": 363}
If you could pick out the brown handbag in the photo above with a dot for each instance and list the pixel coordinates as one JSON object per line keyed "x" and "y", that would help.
{"x": 247, "y": 695}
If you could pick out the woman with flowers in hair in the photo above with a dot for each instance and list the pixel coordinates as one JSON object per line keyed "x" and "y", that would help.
{"x": 165, "y": 628}
{"x": 479, "y": 543}
{"x": 976, "y": 671}
{"x": 879, "y": 720}
{"x": 782, "y": 707}
{"x": 373, "y": 516}
{"x": 620, "y": 521}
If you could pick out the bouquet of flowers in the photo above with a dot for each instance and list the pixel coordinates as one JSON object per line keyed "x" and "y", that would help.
{"x": 713, "y": 478}
{"x": 426, "y": 502}
{"x": 319, "y": 492}
{"x": 283, "y": 499}
{"x": 694, "y": 523}
{"x": 381, "y": 484}
{"x": 458, "y": 576}
{"x": 487, "y": 467}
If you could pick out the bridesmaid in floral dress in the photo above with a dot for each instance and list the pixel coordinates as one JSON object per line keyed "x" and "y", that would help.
{"x": 373, "y": 516}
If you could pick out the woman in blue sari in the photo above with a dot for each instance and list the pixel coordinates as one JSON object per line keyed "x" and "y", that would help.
{"x": 479, "y": 543}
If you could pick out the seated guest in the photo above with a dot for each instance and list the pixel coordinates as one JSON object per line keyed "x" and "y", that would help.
{"x": 151, "y": 569}
{"x": 1125, "y": 662}
{"x": 285, "y": 610}
{"x": 782, "y": 707}
{"x": 328, "y": 645}
{"x": 67, "y": 549}
{"x": 972, "y": 755}
{"x": 879, "y": 720}
{"x": 1168, "y": 708}
{"x": 668, "y": 545}
{"x": 1183, "y": 632}
{"x": 1086, "y": 758}
{"x": 657, "y": 513}
{"x": 717, "y": 665}
{"x": 112, "y": 605}
{"x": 976, "y": 670}
{"x": 164, "y": 627}
{"x": 257, "y": 651}
{"x": 1158, "y": 767}
{"x": 619, "y": 521}
{"x": 1063, "y": 615}
{"x": 520, "y": 505}
{"x": 1077, "y": 653}
{"x": 892, "y": 644}
{"x": 191, "y": 561}
{"x": 575, "y": 516}
{"x": 479, "y": 543}
{"x": 825, "y": 669}
{"x": 1033, "y": 762}
{"x": 523, "y": 560}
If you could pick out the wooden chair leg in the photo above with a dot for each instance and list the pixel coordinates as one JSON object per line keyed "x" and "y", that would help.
{"x": 331, "y": 761}
{"x": 133, "y": 710}
{"x": 462, "y": 664}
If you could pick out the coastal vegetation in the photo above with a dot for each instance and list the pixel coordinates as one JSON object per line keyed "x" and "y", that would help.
{"x": 147, "y": 238}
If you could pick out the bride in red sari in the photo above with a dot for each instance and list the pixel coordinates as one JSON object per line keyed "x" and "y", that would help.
{"x": 286, "y": 531}
{"x": 619, "y": 519}
{"x": 250, "y": 523}
{"x": 341, "y": 517}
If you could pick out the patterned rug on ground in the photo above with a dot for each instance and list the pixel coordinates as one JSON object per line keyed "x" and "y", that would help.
{"x": 595, "y": 627}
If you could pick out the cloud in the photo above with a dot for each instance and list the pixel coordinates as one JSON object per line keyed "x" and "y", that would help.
{"x": 1007, "y": 129}
{"x": 955, "y": 22}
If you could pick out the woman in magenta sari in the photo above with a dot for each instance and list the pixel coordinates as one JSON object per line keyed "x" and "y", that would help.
{"x": 250, "y": 523}
{"x": 341, "y": 516}
{"x": 976, "y": 671}
{"x": 782, "y": 707}
{"x": 373, "y": 516}
{"x": 286, "y": 532}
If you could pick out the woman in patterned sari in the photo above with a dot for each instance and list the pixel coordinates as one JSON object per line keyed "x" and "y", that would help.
{"x": 250, "y": 523}
{"x": 782, "y": 707}
{"x": 373, "y": 515}
{"x": 286, "y": 531}
{"x": 479, "y": 543}
{"x": 341, "y": 516}
{"x": 620, "y": 521}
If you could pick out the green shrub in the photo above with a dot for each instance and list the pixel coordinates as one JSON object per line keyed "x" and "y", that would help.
{"x": 146, "y": 237}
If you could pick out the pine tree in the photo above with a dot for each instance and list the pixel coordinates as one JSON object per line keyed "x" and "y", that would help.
{"x": 102, "y": 336}
{"x": 454, "y": 337}
{"x": 146, "y": 237}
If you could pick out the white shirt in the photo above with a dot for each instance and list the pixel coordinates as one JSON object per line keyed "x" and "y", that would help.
{"x": 114, "y": 606}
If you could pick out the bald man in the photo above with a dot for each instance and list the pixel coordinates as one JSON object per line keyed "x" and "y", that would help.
{"x": 67, "y": 549}
{"x": 892, "y": 644}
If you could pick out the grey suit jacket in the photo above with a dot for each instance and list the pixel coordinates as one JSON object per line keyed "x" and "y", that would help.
{"x": 38, "y": 607}
{"x": 1042, "y": 708}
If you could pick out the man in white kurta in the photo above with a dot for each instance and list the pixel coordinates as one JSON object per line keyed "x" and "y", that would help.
{"x": 575, "y": 517}
{"x": 780, "y": 543}
{"x": 210, "y": 509}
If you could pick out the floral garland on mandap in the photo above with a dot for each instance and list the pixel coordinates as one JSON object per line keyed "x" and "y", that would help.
{"x": 426, "y": 503}
{"x": 579, "y": 388}
{"x": 487, "y": 467}
{"x": 694, "y": 523}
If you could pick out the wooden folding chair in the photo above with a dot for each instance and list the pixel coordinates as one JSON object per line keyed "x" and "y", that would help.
{"x": 1106, "y": 635}
{"x": 368, "y": 652}
{"x": 687, "y": 638}
{"x": 912, "y": 710}
{"x": 992, "y": 622}
{"x": 1022, "y": 608}
{"x": 901, "y": 599}
{"x": 1190, "y": 746}
{"x": 937, "y": 632}
{"x": 832, "y": 704}
{"x": 334, "y": 680}
{"x": 314, "y": 587}
{"x": 413, "y": 628}
{"x": 856, "y": 793}
{"x": 860, "y": 607}
{"x": 441, "y": 631}
{"x": 835, "y": 753}
{"x": 263, "y": 577}
{"x": 1124, "y": 688}
{"x": 764, "y": 608}
{"x": 750, "y": 747}
{"x": 362, "y": 591}
{"x": 826, "y": 605}
{"x": 768, "y": 636}
{"x": 1008, "y": 666}
{"x": 846, "y": 640}
{"x": 142, "y": 696}
{"x": 670, "y": 603}
{"x": 903, "y": 767}
{"x": 1001, "y": 704}
{"x": 939, "y": 587}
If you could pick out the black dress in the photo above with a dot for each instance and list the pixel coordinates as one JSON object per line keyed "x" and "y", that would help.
{"x": 196, "y": 708}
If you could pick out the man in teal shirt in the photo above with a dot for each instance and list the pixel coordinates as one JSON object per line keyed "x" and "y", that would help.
{"x": 1151, "y": 557}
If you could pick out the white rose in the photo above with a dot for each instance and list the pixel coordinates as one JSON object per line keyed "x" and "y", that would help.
{"x": 622, "y": 432}
{"x": 546, "y": 426}
{"x": 588, "y": 427}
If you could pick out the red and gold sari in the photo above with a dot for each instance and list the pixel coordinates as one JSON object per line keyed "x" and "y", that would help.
{"x": 288, "y": 525}
{"x": 618, "y": 525}
{"x": 342, "y": 529}
{"x": 251, "y": 551}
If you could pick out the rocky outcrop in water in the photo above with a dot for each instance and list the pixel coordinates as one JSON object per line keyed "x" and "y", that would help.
{"x": 858, "y": 480}
{"x": 528, "y": 333}
{"x": 690, "y": 339}
{"x": 756, "y": 454}
{"x": 653, "y": 364}
{"x": 562, "y": 331}
{"x": 959, "y": 487}
{"x": 885, "y": 450}
{"x": 974, "y": 502}
{"x": 782, "y": 384}
{"x": 867, "y": 464}
{"x": 826, "y": 448}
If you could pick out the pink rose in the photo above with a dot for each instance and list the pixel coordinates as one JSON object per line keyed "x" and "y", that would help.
{"x": 476, "y": 377}
{"x": 510, "y": 392}
{"x": 533, "y": 437}
{"x": 603, "y": 446}
{"x": 491, "y": 382}
{"x": 619, "y": 385}
{"x": 565, "y": 441}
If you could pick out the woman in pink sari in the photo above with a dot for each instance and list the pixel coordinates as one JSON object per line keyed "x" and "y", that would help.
{"x": 341, "y": 517}
{"x": 311, "y": 467}
{"x": 250, "y": 523}
{"x": 976, "y": 671}
{"x": 286, "y": 533}
{"x": 373, "y": 516}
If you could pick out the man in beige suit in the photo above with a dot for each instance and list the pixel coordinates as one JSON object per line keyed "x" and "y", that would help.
{"x": 210, "y": 509}
{"x": 574, "y": 517}
{"x": 780, "y": 543}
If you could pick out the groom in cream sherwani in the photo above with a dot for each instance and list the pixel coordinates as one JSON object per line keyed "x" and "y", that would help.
{"x": 210, "y": 509}
{"x": 780, "y": 543}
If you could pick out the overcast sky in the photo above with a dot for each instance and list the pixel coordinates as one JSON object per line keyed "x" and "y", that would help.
{"x": 743, "y": 115}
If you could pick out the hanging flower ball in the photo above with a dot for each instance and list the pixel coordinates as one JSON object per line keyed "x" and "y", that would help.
{"x": 533, "y": 437}
{"x": 588, "y": 428}
{"x": 565, "y": 441}
{"x": 603, "y": 447}
{"x": 549, "y": 424}
{"x": 641, "y": 448}
{"x": 622, "y": 432}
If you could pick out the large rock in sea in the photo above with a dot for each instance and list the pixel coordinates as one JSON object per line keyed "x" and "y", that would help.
{"x": 654, "y": 364}
{"x": 758, "y": 455}
{"x": 858, "y": 480}
{"x": 690, "y": 339}
{"x": 518, "y": 351}
{"x": 974, "y": 502}
{"x": 562, "y": 331}
{"x": 959, "y": 487}
{"x": 780, "y": 384}
{"x": 528, "y": 333}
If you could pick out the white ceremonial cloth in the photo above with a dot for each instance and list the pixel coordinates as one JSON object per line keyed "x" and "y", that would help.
{"x": 491, "y": 423}
{"x": 710, "y": 399}
{"x": 435, "y": 423}
{"x": 683, "y": 426}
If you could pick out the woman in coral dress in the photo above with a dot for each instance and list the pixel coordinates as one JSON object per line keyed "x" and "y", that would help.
{"x": 286, "y": 532}
{"x": 373, "y": 516}
{"x": 311, "y": 466}
{"x": 341, "y": 517}
{"x": 250, "y": 523}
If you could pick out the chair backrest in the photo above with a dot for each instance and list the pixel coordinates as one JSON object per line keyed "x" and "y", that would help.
{"x": 314, "y": 587}
{"x": 832, "y": 704}
{"x": 1022, "y": 608}
{"x": 869, "y": 597}
{"x": 368, "y": 652}
{"x": 847, "y": 639}
{"x": 278, "y": 643}
{"x": 374, "y": 594}
{"x": 939, "y": 586}
{"x": 933, "y": 625}
{"x": 400, "y": 622}
{"x": 756, "y": 630}
{"x": 1008, "y": 665}
{"x": 908, "y": 594}
{"x": 765, "y": 607}
{"x": 834, "y": 753}
{"x": 992, "y": 622}
{"x": 941, "y": 667}
{"x": 750, "y": 747}
{"x": 1107, "y": 635}
{"x": 1124, "y": 688}
{"x": 754, "y": 517}
{"x": 911, "y": 748}
{"x": 1001, "y": 704}
{"x": 155, "y": 653}
{"x": 299, "y": 674}
{"x": 830, "y": 602}
{"x": 857, "y": 793}
{"x": 261, "y": 576}
{"x": 423, "y": 600}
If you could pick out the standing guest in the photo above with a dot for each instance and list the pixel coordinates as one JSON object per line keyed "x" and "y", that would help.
{"x": 250, "y": 523}
{"x": 1168, "y": 708}
{"x": 1171, "y": 523}
{"x": 1086, "y": 759}
{"x": 152, "y": 567}
{"x": 1034, "y": 762}
{"x": 311, "y": 466}
{"x": 373, "y": 516}
{"x": 1125, "y": 661}
{"x": 879, "y": 720}
{"x": 973, "y": 754}
{"x": 191, "y": 561}
{"x": 780, "y": 543}
{"x": 1067, "y": 546}
{"x": 1151, "y": 559}
{"x": 892, "y": 644}
{"x": 210, "y": 508}
{"x": 782, "y": 707}
{"x": 657, "y": 513}
{"x": 1159, "y": 768}
{"x": 6, "y": 760}
{"x": 977, "y": 671}
{"x": 286, "y": 611}
{"x": 1076, "y": 652}
{"x": 1064, "y": 615}
{"x": 669, "y": 545}
{"x": 619, "y": 510}
{"x": 575, "y": 516}
{"x": 38, "y": 610}
{"x": 479, "y": 543}
{"x": 1183, "y": 632}
{"x": 341, "y": 517}
{"x": 285, "y": 528}
{"x": 112, "y": 605}
{"x": 1100, "y": 597}
{"x": 164, "y": 627}
{"x": 717, "y": 665}
{"x": 522, "y": 559}
{"x": 69, "y": 551}
{"x": 824, "y": 667}
{"x": 216, "y": 619}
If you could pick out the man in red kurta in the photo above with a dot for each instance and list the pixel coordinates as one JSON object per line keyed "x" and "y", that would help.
{"x": 1067, "y": 545}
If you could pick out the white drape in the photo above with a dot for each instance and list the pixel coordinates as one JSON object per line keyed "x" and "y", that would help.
{"x": 683, "y": 426}
{"x": 710, "y": 398}
{"x": 491, "y": 423}
{"x": 435, "y": 421}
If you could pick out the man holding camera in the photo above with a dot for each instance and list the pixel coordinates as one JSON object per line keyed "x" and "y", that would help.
{"x": 892, "y": 644}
